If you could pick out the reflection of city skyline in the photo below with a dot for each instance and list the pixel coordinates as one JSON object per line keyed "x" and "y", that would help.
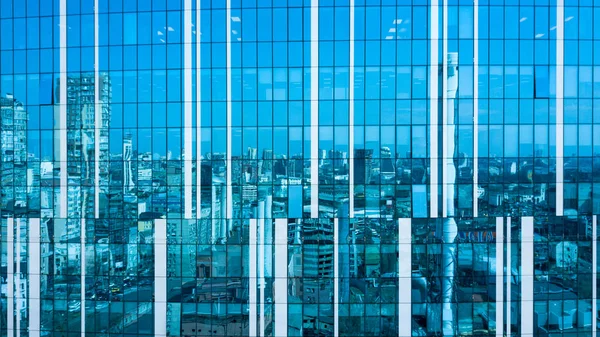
{"x": 332, "y": 163}
{"x": 149, "y": 186}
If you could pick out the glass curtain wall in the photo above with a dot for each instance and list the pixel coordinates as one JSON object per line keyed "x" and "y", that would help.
{"x": 299, "y": 168}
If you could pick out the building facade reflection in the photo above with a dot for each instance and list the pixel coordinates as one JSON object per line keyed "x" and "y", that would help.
{"x": 304, "y": 168}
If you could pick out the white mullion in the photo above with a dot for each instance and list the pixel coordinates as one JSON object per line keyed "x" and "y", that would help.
{"x": 336, "y": 278}
{"x": 351, "y": 117}
{"x": 228, "y": 181}
{"x": 314, "y": 109}
{"x": 261, "y": 267}
{"x": 475, "y": 107}
{"x": 97, "y": 112}
{"x": 63, "y": 109}
{"x": 160, "y": 278}
{"x": 351, "y": 158}
{"x": 445, "y": 127}
{"x": 10, "y": 276}
{"x": 508, "y": 276}
{"x": 594, "y": 274}
{"x": 198, "y": 115}
{"x": 404, "y": 277}
{"x": 34, "y": 277}
{"x": 18, "y": 296}
{"x": 252, "y": 279}
{"x": 500, "y": 277}
{"x": 527, "y": 276}
{"x": 560, "y": 30}
{"x": 281, "y": 278}
{"x": 433, "y": 110}
{"x": 82, "y": 279}
{"x": 187, "y": 97}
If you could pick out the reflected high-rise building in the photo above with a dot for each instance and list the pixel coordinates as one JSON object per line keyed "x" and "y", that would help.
{"x": 13, "y": 154}
{"x": 363, "y": 161}
{"x": 88, "y": 154}
{"x": 387, "y": 163}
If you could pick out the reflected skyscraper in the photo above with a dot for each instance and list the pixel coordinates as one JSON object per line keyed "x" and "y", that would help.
{"x": 13, "y": 154}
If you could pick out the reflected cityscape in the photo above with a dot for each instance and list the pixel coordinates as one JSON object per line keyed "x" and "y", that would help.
{"x": 305, "y": 168}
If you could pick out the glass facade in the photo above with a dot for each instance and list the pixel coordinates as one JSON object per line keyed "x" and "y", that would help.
{"x": 299, "y": 168}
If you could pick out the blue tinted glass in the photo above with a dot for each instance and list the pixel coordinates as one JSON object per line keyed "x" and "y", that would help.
{"x": 287, "y": 168}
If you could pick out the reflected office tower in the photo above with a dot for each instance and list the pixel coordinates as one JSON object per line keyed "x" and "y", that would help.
{"x": 344, "y": 253}
{"x": 363, "y": 162}
{"x": 296, "y": 166}
{"x": 387, "y": 163}
{"x": 322, "y": 157}
{"x": 205, "y": 221}
{"x": 128, "y": 183}
{"x": 338, "y": 161}
{"x": 280, "y": 166}
{"x": 13, "y": 154}
{"x": 88, "y": 133}
{"x": 267, "y": 162}
{"x": 219, "y": 221}
{"x": 252, "y": 153}
{"x": 318, "y": 251}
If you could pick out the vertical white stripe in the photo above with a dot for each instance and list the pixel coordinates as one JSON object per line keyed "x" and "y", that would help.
{"x": 508, "y": 276}
{"x": 268, "y": 241}
{"x": 97, "y": 112}
{"x": 252, "y": 298}
{"x": 500, "y": 276}
{"x": 475, "y": 107}
{"x": 187, "y": 118}
{"x": 433, "y": 110}
{"x": 527, "y": 276}
{"x": 281, "y": 277}
{"x": 10, "y": 277}
{"x": 18, "y": 296}
{"x": 198, "y": 115}
{"x": 160, "y": 277}
{"x": 594, "y": 274}
{"x": 63, "y": 110}
{"x": 445, "y": 128}
{"x": 34, "y": 277}
{"x": 261, "y": 267}
{"x": 336, "y": 278}
{"x": 351, "y": 118}
{"x": 560, "y": 30}
{"x": 314, "y": 109}
{"x": 404, "y": 278}
{"x": 228, "y": 180}
{"x": 82, "y": 255}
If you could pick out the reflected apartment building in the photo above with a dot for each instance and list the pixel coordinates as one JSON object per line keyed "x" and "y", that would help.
{"x": 256, "y": 168}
